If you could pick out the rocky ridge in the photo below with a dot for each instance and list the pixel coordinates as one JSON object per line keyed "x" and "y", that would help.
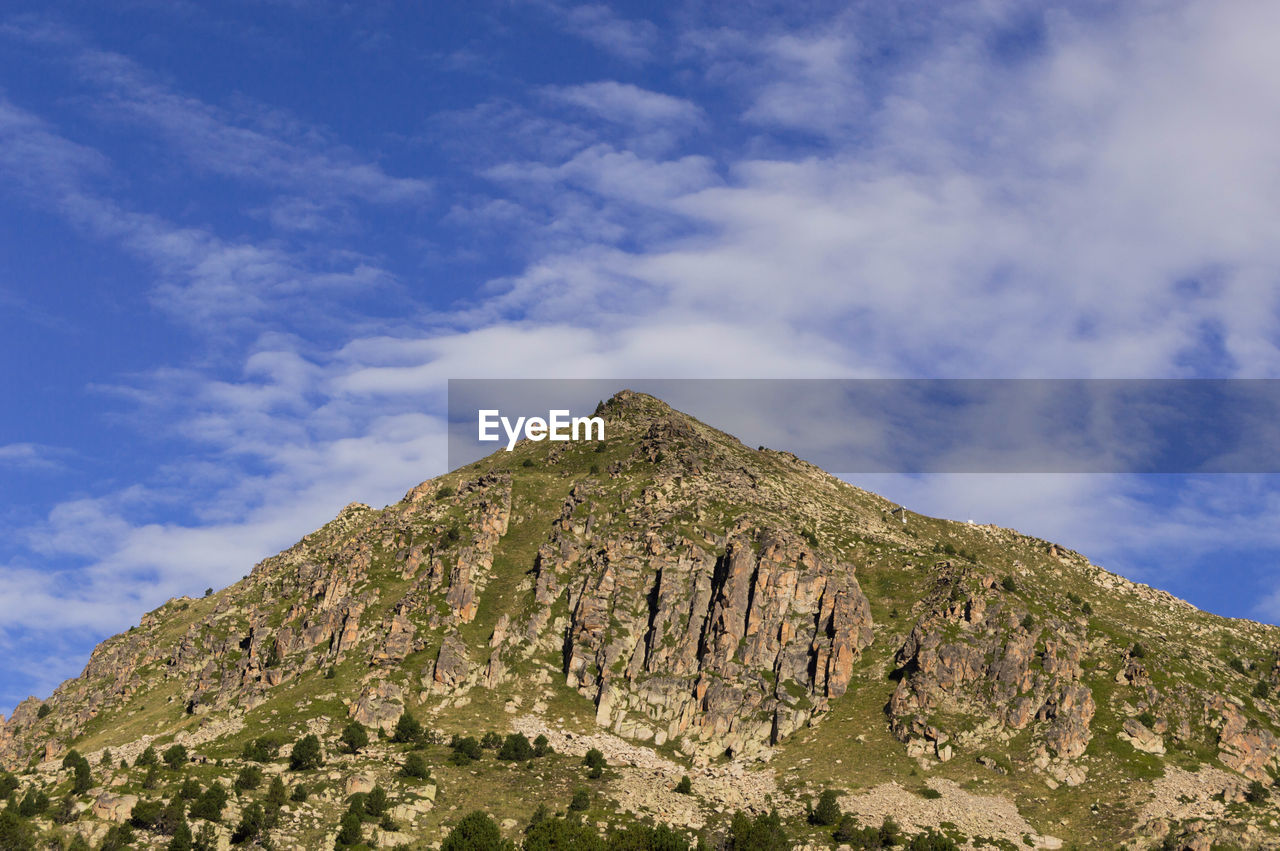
{"x": 715, "y": 602}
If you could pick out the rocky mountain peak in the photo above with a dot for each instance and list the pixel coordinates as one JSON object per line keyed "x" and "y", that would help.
{"x": 682, "y": 594}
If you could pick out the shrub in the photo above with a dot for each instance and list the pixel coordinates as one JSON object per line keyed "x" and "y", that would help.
{"x": 930, "y": 793}
{"x": 1146, "y": 718}
{"x": 8, "y": 783}
{"x": 491, "y": 740}
{"x": 145, "y": 814}
{"x": 1086, "y": 607}
{"x": 1237, "y": 665}
{"x": 685, "y": 786}
{"x": 205, "y": 839}
{"x": 252, "y": 822}
{"x": 890, "y": 833}
{"x": 331, "y": 673}
{"x": 299, "y": 793}
{"x": 375, "y": 803}
{"x": 65, "y": 811}
{"x": 152, "y": 780}
{"x": 445, "y": 492}
{"x": 516, "y": 748}
{"x": 541, "y": 746}
{"x": 594, "y": 759}
{"x": 476, "y": 832}
{"x": 580, "y": 801}
{"x": 849, "y": 832}
{"x": 407, "y": 729}
{"x": 106, "y": 760}
{"x": 118, "y": 838}
{"x": 173, "y": 814}
{"x": 1008, "y": 583}
{"x": 190, "y": 789}
{"x": 1137, "y": 651}
{"x": 34, "y": 803}
{"x": 1262, "y": 690}
{"x": 249, "y": 778}
{"x": 763, "y": 833}
{"x": 182, "y": 838}
{"x": 1028, "y": 621}
{"x": 416, "y": 766}
{"x": 354, "y": 737}
{"x": 528, "y": 462}
{"x": 931, "y": 841}
{"x": 1256, "y": 793}
{"x": 263, "y": 748}
{"x": 348, "y": 830}
{"x": 210, "y": 803}
{"x": 277, "y": 794}
{"x": 208, "y": 592}
{"x": 306, "y": 754}
{"x": 175, "y": 756}
{"x": 147, "y": 758}
{"x": 15, "y": 832}
{"x": 82, "y": 774}
{"x": 44, "y": 710}
{"x": 827, "y": 812}
{"x": 467, "y": 748}
{"x": 551, "y": 834}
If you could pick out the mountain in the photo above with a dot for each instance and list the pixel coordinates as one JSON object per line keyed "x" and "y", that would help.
{"x": 686, "y": 606}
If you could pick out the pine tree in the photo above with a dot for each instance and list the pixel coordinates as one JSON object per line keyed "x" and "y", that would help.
{"x": 306, "y": 754}
{"x": 828, "y": 810}
{"x": 354, "y": 737}
{"x": 407, "y": 729}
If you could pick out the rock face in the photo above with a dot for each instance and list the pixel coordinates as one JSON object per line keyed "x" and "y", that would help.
{"x": 114, "y": 807}
{"x": 1136, "y": 733}
{"x": 975, "y": 651}
{"x": 732, "y": 650}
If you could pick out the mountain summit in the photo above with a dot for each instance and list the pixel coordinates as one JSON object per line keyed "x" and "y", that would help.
{"x": 725, "y": 628}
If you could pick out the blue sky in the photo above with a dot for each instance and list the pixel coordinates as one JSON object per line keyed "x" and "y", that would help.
{"x": 244, "y": 244}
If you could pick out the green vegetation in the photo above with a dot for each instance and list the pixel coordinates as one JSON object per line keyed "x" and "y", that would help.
{"x": 476, "y": 832}
{"x": 210, "y": 804}
{"x": 175, "y": 756}
{"x": 354, "y": 737}
{"x": 249, "y": 778}
{"x": 407, "y": 729}
{"x": 594, "y": 761}
{"x": 827, "y": 812}
{"x": 306, "y": 754}
{"x": 516, "y": 748}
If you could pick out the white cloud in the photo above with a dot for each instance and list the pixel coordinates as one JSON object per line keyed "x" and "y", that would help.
{"x": 30, "y": 456}
{"x": 254, "y": 143}
{"x": 203, "y": 279}
{"x": 625, "y": 38}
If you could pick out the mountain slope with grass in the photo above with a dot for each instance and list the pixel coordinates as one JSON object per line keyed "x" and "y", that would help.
{"x": 666, "y": 628}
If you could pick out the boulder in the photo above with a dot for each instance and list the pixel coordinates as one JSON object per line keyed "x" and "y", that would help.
{"x": 114, "y": 807}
